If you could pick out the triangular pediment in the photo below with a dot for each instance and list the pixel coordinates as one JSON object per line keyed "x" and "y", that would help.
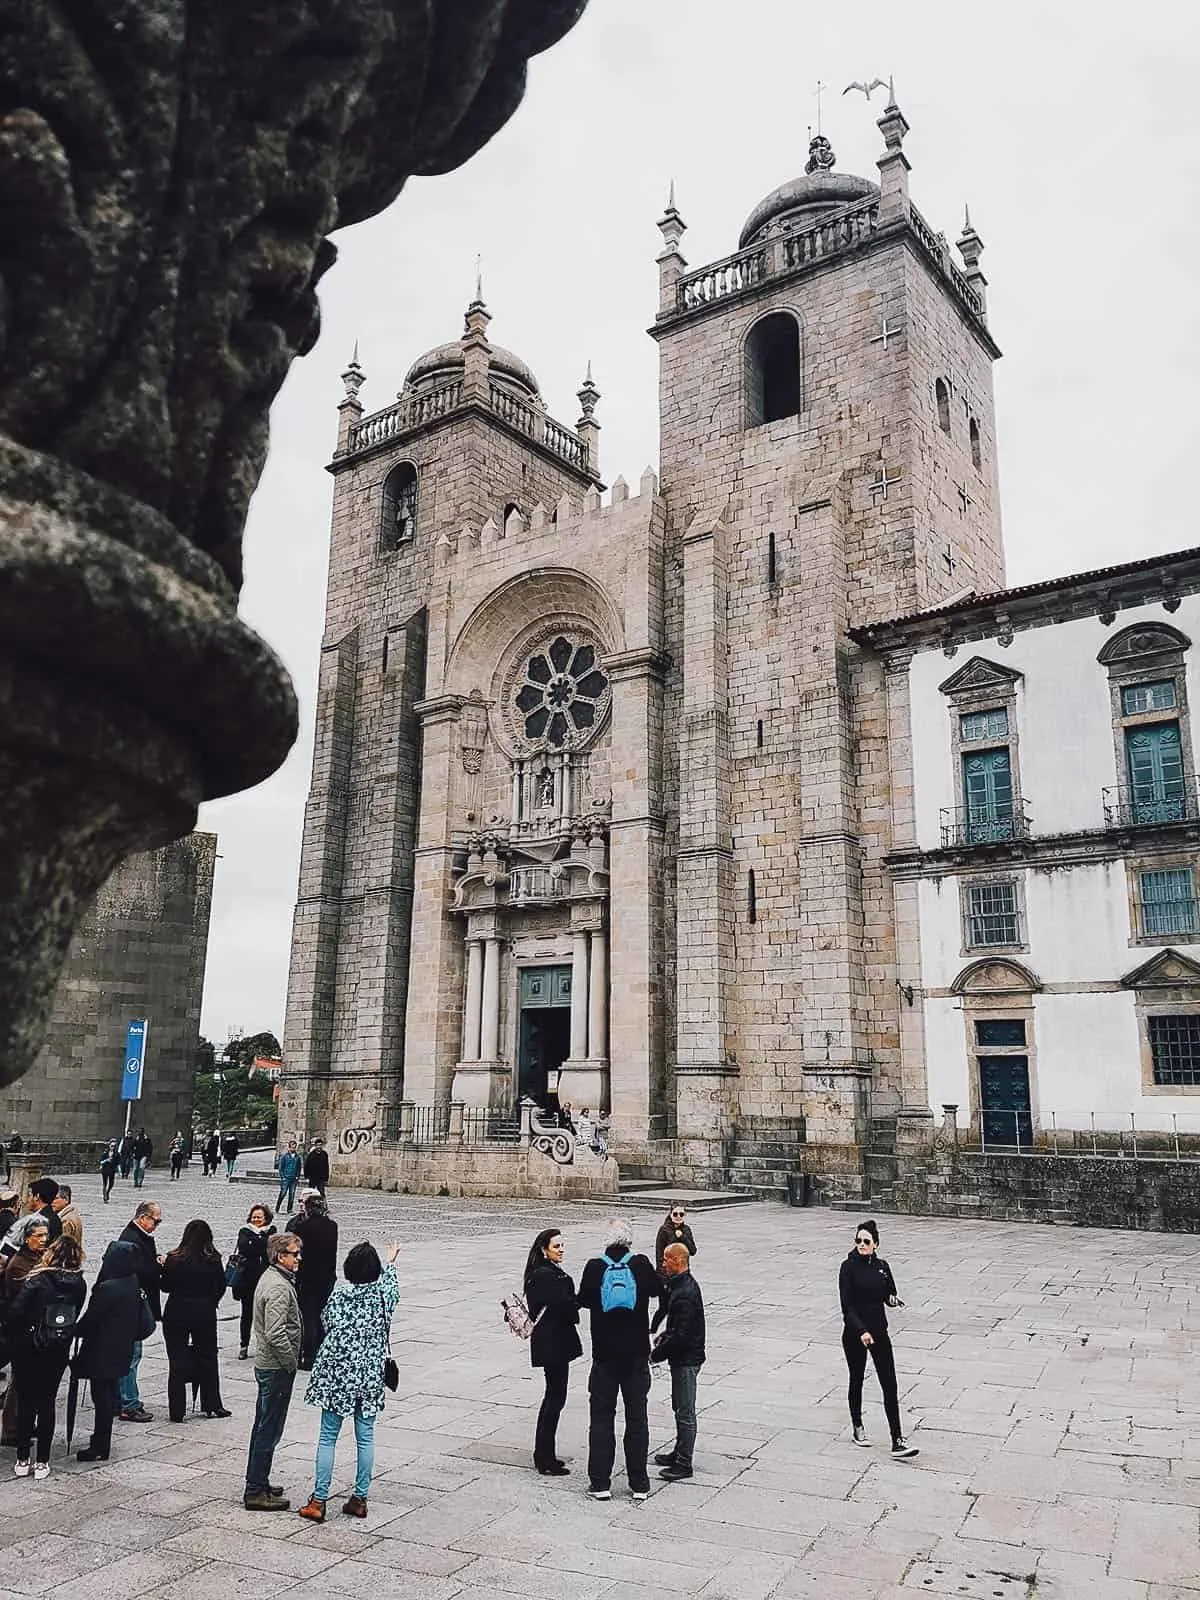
{"x": 980, "y": 676}
{"x": 996, "y": 975}
{"x": 1166, "y": 970}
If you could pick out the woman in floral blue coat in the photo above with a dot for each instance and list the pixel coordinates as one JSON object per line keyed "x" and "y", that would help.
{"x": 347, "y": 1374}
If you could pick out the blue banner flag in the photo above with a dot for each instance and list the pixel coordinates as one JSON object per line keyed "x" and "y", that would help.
{"x": 135, "y": 1059}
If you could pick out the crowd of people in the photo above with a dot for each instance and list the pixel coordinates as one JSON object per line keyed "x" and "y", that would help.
{"x": 297, "y": 1317}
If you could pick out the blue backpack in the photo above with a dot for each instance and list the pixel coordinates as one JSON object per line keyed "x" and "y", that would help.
{"x": 618, "y": 1289}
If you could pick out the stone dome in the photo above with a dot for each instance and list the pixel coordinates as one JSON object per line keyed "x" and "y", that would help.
{"x": 806, "y": 199}
{"x": 445, "y": 362}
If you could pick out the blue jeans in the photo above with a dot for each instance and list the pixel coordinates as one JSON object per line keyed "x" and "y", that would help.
{"x": 131, "y": 1400}
{"x": 683, "y": 1403}
{"x": 139, "y": 1172}
{"x": 287, "y": 1194}
{"x": 364, "y": 1439}
{"x": 270, "y": 1414}
{"x": 229, "y": 1166}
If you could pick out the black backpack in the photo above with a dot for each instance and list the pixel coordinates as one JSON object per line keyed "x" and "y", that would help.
{"x": 56, "y": 1328}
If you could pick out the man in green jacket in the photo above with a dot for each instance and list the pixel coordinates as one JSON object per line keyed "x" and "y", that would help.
{"x": 277, "y": 1333}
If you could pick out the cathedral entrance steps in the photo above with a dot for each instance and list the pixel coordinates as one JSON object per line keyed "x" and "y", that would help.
{"x": 659, "y": 1199}
{"x": 765, "y": 1151}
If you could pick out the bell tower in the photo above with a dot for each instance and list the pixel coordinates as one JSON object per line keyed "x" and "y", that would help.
{"x": 828, "y": 459}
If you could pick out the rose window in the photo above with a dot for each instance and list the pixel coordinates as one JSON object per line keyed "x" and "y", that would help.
{"x": 562, "y": 695}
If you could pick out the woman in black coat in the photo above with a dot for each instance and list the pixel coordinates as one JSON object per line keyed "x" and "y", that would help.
{"x": 554, "y": 1342}
{"x": 865, "y": 1287}
{"x": 41, "y": 1324}
{"x": 118, "y": 1315}
{"x": 673, "y": 1231}
{"x": 194, "y": 1279}
{"x": 251, "y": 1251}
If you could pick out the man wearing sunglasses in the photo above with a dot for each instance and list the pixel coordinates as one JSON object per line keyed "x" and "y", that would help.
{"x": 140, "y": 1234}
{"x": 277, "y": 1333}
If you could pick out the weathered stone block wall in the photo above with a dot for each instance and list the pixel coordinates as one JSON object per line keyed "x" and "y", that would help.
{"x": 1096, "y": 1192}
{"x": 140, "y": 951}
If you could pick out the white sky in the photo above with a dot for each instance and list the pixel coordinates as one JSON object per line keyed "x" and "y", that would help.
{"x": 1070, "y": 129}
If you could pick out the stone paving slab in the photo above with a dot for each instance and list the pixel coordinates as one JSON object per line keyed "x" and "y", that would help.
{"x": 1049, "y": 1376}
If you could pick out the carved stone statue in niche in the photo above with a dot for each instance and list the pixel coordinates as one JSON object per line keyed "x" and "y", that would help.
{"x": 168, "y": 174}
{"x": 545, "y": 789}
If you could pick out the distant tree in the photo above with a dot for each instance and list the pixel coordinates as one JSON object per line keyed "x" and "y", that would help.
{"x": 206, "y": 1055}
{"x": 244, "y": 1050}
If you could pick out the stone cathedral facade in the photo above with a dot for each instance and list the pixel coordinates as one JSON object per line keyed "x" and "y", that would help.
{"x": 602, "y": 789}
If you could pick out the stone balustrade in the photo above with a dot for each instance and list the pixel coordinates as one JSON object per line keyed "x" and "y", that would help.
{"x": 418, "y": 410}
{"x": 836, "y": 234}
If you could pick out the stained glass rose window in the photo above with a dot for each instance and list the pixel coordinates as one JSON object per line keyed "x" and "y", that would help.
{"x": 562, "y": 694}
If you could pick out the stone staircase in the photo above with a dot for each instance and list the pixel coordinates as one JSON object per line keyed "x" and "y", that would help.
{"x": 764, "y": 1150}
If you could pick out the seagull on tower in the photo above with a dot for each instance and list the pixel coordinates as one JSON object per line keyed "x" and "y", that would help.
{"x": 867, "y": 88}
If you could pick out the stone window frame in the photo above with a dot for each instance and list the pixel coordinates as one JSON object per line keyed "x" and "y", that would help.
{"x": 390, "y": 543}
{"x": 1174, "y": 861}
{"x": 969, "y": 951}
{"x": 745, "y": 387}
{"x": 1168, "y": 985}
{"x": 983, "y": 685}
{"x": 976, "y": 443}
{"x": 1147, "y": 652}
{"x": 941, "y": 404}
{"x": 998, "y": 989}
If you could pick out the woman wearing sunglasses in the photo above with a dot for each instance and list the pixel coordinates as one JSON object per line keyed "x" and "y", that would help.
{"x": 866, "y": 1287}
{"x": 673, "y": 1231}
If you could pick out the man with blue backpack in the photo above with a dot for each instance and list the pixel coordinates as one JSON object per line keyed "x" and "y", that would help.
{"x": 616, "y": 1290}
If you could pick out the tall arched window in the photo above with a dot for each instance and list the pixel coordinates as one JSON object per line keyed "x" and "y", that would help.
{"x": 398, "y": 520}
{"x": 942, "y": 395}
{"x": 976, "y": 450}
{"x": 772, "y": 369}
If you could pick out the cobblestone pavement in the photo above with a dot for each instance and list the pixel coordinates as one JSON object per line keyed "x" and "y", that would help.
{"x": 1048, "y": 1375}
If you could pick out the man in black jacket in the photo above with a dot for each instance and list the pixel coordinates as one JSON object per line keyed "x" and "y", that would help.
{"x": 316, "y": 1166}
{"x": 140, "y": 1234}
{"x": 681, "y": 1343}
{"x": 616, "y": 1289}
{"x": 318, "y": 1233}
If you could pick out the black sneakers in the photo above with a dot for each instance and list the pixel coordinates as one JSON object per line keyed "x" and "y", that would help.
{"x": 902, "y": 1450}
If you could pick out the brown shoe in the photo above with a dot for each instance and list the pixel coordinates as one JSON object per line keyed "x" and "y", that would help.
{"x": 314, "y": 1510}
{"x": 355, "y": 1507}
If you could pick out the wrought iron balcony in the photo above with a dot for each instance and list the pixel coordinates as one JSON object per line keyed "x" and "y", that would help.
{"x": 965, "y": 826}
{"x": 1152, "y": 805}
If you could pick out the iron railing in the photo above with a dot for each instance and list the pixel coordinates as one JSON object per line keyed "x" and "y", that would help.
{"x": 972, "y": 825}
{"x": 1163, "y": 1136}
{"x": 450, "y": 1123}
{"x": 1150, "y": 806}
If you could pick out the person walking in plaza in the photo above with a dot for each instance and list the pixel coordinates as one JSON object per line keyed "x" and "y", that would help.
{"x": 229, "y": 1154}
{"x": 42, "y": 1195}
{"x": 554, "y": 1342}
{"x": 866, "y": 1286}
{"x": 675, "y": 1230}
{"x": 117, "y": 1316}
{"x": 109, "y": 1162}
{"x": 41, "y": 1324}
{"x": 347, "y": 1375}
{"x": 251, "y": 1253}
{"x": 211, "y": 1152}
{"x": 318, "y": 1272}
{"x": 681, "y": 1346}
{"x": 194, "y": 1280}
{"x": 616, "y": 1289}
{"x": 289, "y": 1164}
{"x": 139, "y": 1233}
{"x": 34, "y": 1239}
{"x": 177, "y": 1153}
{"x": 316, "y": 1167}
{"x": 68, "y": 1214}
{"x": 277, "y": 1333}
{"x": 143, "y": 1149}
{"x": 125, "y": 1150}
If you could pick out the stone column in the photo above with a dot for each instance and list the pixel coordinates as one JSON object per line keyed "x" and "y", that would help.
{"x": 597, "y": 997}
{"x": 489, "y": 1032}
{"x": 474, "y": 1000}
{"x": 579, "y": 997}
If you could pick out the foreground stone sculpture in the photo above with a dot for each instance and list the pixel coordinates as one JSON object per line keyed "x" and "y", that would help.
{"x": 168, "y": 173}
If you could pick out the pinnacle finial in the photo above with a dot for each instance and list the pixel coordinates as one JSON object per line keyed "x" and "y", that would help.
{"x": 891, "y": 103}
{"x": 354, "y": 377}
{"x": 671, "y": 196}
{"x": 478, "y": 279}
{"x": 820, "y": 155}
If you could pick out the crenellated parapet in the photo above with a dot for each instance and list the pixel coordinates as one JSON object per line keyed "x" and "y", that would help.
{"x": 588, "y": 518}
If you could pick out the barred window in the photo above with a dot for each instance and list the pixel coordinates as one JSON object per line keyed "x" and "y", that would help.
{"x": 1168, "y": 902}
{"x": 1175, "y": 1048}
{"x": 984, "y": 725}
{"x": 992, "y": 914}
{"x": 1137, "y": 697}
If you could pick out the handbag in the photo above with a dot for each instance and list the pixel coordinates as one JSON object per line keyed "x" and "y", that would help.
{"x": 233, "y": 1276}
{"x": 391, "y": 1372}
{"x": 146, "y": 1322}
